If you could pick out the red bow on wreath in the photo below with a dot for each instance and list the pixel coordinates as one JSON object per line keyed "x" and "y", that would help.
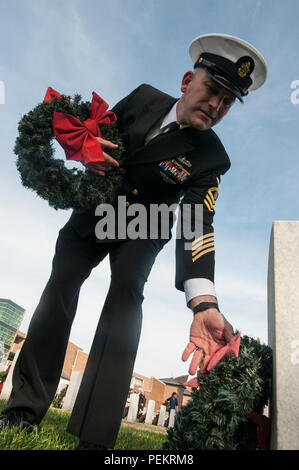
{"x": 78, "y": 139}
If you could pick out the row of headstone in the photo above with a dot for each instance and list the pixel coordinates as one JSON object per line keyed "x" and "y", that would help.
{"x": 150, "y": 411}
{"x": 72, "y": 391}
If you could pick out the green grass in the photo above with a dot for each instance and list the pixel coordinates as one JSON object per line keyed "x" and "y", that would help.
{"x": 139, "y": 439}
{"x": 51, "y": 435}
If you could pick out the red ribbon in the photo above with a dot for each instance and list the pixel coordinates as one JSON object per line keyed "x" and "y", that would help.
{"x": 263, "y": 428}
{"x": 78, "y": 139}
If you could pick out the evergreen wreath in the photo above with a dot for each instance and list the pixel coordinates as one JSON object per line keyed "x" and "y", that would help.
{"x": 63, "y": 188}
{"x": 225, "y": 413}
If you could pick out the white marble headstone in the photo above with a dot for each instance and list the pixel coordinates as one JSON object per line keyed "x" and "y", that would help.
{"x": 283, "y": 333}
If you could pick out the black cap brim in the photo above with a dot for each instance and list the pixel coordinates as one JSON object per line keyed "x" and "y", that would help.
{"x": 225, "y": 83}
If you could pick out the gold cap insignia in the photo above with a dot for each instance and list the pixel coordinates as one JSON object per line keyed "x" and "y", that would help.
{"x": 245, "y": 66}
{"x": 244, "y": 69}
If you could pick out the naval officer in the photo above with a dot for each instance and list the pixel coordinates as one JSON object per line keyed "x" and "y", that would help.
{"x": 172, "y": 155}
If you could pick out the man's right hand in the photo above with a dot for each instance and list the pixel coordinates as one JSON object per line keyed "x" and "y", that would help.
{"x": 209, "y": 332}
{"x": 100, "y": 168}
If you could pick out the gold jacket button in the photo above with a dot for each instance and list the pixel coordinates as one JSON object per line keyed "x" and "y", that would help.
{"x": 135, "y": 192}
{"x": 127, "y": 203}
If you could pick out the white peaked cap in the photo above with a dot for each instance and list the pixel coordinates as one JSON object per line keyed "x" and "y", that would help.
{"x": 231, "y": 48}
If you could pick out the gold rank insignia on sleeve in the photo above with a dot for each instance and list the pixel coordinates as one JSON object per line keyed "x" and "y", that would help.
{"x": 210, "y": 198}
{"x": 202, "y": 245}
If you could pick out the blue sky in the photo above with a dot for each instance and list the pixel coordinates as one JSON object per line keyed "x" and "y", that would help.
{"x": 111, "y": 48}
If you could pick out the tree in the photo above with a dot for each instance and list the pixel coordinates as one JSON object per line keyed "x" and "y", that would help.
{"x": 57, "y": 402}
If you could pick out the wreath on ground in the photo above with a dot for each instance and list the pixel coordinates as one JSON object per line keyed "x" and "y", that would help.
{"x": 62, "y": 187}
{"x": 226, "y": 409}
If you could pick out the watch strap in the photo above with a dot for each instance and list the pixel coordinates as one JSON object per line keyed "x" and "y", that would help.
{"x": 204, "y": 306}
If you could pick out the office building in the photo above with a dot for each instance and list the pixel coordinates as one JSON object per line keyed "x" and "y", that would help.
{"x": 11, "y": 316}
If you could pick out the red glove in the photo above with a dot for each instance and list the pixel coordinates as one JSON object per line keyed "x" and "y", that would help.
{"x": 231, "y": 348}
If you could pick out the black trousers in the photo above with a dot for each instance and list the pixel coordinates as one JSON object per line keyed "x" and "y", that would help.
{"x": 98, "y": 410}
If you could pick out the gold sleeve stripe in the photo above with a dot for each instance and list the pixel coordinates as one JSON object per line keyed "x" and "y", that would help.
{"x": 202, "y": 253}
{"x": 208, "y": 205}
{"x": 203, "y": 247}
{"x": 211, "y": 234}
{"x": 202, "y": 243}
{"x": 211, "y": 199}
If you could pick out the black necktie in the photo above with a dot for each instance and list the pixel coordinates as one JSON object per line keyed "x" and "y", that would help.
{"x": 172, "y": 127}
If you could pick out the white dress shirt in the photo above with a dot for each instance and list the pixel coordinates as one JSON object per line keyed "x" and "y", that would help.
{"x": 197, "y": 286}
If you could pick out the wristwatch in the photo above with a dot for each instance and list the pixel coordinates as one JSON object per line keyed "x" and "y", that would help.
{"x": 204, "y": 306}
